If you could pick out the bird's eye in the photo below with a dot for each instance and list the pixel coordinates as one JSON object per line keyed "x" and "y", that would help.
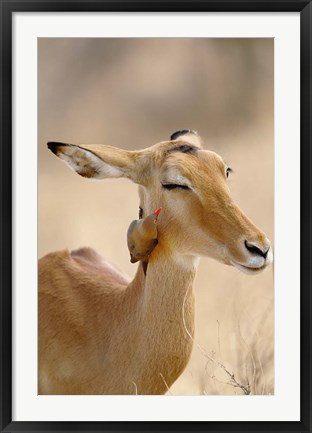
{"x": 140, "y": 213}
{"x": 173, "y": 186}
{"x": 228, "y": 171}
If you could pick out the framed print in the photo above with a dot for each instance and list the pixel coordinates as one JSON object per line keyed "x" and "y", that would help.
{"x": 185, "y": 306}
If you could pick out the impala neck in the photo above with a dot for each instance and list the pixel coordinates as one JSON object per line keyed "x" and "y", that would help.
{"x": 169, "y": 276}
{"x": 164, "y": 305}
{"x": 165, "y": 281}
{"x": 163, "y": 297}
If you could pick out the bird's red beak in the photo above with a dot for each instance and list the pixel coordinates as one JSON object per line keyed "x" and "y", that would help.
{"x": 157, "y": 212}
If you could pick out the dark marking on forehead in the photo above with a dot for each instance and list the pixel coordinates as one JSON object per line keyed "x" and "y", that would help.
{"x": 184, "y": 148}
{"x": 177, "y": 134}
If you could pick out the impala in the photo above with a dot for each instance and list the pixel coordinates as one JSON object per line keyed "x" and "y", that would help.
{"x": 101, "y": 334}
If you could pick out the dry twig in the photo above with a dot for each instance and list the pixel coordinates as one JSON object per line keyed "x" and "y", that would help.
{"x": 233, "y": 382}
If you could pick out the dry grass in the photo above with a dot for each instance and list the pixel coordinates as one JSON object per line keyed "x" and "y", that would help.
{"x": 239, "y": 357}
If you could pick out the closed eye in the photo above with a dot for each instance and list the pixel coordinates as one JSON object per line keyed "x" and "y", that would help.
{"x": 174, "y": 185}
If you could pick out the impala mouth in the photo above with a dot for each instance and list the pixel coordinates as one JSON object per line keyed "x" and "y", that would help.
{"x": 249, "y": 269}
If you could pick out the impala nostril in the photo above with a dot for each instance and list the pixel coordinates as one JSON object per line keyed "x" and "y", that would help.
{"x": 254, "y": 249}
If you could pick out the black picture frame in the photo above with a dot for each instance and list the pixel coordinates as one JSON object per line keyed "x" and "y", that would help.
{"x": 7, "y": 8}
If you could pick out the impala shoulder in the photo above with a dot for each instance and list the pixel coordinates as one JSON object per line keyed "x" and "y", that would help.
{"x": 87, "y": 253}
{"x": 54, "y": 257}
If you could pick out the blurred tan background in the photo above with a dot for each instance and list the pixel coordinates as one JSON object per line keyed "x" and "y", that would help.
{"x": 132, "y": 93}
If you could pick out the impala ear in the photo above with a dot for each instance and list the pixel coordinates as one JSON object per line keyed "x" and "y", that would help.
{"x": 100, "y": 161}
{"x": 188, "y": 135}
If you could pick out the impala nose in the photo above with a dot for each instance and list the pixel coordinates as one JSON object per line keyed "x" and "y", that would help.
{"x": 255, "y": 249}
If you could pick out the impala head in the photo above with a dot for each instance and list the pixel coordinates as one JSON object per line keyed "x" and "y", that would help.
{"x": 199, "y": 217}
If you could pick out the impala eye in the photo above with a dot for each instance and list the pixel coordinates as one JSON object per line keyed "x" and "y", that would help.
{"x": 174, "y": 185}
{"x": 228, "y": 171}
{"x": 140, "y": 213}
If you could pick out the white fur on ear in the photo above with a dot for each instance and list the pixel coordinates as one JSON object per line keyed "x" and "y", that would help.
{"x": 192, "y": 138}
{"x": 86, "y": 163}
